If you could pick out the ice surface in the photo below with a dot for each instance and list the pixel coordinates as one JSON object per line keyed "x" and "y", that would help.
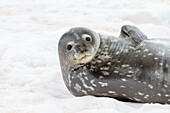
{"x": 30, "y": 77}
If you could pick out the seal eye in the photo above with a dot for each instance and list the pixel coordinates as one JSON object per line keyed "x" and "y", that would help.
{"x": 69, "y": 47}
{"x": 87, "y": 38}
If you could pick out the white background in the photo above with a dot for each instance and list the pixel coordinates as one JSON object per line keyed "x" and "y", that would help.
{"x": 30, "y": 77}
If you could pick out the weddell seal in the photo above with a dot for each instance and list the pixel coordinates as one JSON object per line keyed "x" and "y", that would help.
{"x": 128, "y": 67}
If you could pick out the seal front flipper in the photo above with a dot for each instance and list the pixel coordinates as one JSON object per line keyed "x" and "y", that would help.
{"x": 132, "y": 32}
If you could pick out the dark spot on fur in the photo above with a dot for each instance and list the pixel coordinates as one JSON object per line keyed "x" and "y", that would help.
{"x": 165, "y": 67}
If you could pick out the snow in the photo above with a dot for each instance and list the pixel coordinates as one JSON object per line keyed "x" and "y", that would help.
{"x": 30, "y": 77}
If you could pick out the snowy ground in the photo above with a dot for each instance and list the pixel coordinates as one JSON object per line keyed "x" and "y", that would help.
{"x": 30, "y": 77}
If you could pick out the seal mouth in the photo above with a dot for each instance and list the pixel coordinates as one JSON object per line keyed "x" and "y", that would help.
{"x": 82, "y": 58}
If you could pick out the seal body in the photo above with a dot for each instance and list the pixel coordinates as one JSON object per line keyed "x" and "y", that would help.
{"x": 124, "y": 69}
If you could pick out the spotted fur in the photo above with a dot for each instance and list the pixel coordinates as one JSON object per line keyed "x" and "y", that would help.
{"x": 136, "y": 69}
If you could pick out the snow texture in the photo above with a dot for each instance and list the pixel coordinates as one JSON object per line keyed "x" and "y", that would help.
{"x": 30, "y": 77}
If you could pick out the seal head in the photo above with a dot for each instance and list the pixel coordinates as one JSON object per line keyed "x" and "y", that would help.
{"x": 78, "y": 46}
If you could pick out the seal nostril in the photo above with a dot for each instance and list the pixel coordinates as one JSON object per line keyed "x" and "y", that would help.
{"x": 81, "y": 51}
{"x": 81, "y": 48}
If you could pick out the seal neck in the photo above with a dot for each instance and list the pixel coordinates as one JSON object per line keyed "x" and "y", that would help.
{"x": 106, "y": 46}
{"x": 102, "y": 55}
